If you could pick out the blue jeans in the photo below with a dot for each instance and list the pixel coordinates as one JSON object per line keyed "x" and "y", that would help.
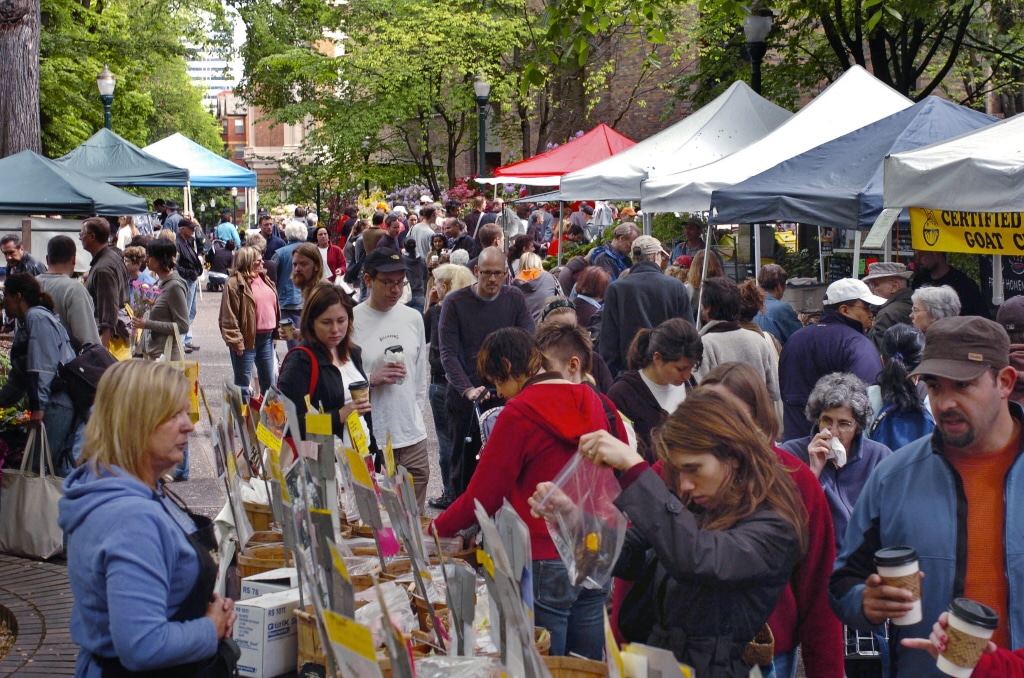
{"x": 295, "y": 315}
{"x": 785, "y": 665}
{"x": 190, "y": 298}
{"x": 444, "y": 439}
{"x": 573, "y": 615}
{"x": 181, "y": 471}
{"x": 262, "y": 356}
{"x": 416, "y": 303}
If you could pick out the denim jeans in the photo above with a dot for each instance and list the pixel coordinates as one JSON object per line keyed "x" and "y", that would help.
{"x": 444, "y": 440}
{"x": 193, "y": 287}
{"x": 785, "y": 665}
{"x": 262, "y": 356}
{"x": 416, "y": 303}
{"x": 181, "y": 471}
{"x": 573, "y": 615}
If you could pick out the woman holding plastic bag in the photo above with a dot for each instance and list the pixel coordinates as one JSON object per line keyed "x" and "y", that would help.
{"x": 725, "y": 526}
{"x": 534, "y": 437}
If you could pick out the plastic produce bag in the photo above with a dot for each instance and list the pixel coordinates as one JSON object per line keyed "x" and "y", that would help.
{"x": 587, "y": 528}
{"x": 402, "y": 616}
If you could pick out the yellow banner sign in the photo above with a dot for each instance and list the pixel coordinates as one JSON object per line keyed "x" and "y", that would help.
{"x": 970, "y": 232}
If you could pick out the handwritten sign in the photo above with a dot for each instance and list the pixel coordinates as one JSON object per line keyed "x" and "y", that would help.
{"x": 969, "y": 232}
{"x": 357, "y": 434}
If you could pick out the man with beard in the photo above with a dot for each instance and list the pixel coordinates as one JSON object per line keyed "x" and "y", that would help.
{"x": 932, "y": 270}
{"x": 955, "y": 497}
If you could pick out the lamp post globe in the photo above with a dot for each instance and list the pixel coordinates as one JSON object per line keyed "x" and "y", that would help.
{"x": 106, "y": 82}
{"x": 755, "y": 29}
{"x": 482, "y": 89}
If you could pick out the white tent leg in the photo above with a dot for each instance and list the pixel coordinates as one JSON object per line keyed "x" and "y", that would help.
{"x": 997, "y": 280}
{"x": 821, "y": 259}
{"x": 561, "y": 206}
{"x": 856, "y": 254}
{"x": 756, "y": 230}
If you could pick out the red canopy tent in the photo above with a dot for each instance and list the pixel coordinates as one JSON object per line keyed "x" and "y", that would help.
{"x": 547, "y": 168}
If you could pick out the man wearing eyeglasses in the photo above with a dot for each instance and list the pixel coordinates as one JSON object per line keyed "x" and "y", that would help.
{"x": 468, "y": 315}
{"x": 890, "y": 280}
{"x": 837, "y": 343}
{"x": 395, "y": 359}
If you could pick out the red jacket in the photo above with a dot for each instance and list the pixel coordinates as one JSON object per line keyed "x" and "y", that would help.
{"x": 533, "y": 438}
{"x": 1000, "y": 664}
{"x": 803, "y": 616}
{"x": 335, "y": 260}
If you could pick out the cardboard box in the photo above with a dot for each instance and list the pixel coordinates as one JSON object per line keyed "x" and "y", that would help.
{"x": 266, "y": 634}
{"x": 281, "y": 579}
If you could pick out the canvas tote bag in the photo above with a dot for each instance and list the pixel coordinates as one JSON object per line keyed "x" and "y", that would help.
{"x": 28, "y": 504}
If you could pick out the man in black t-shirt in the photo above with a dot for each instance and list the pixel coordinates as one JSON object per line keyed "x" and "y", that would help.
{"x": 932, "y": 270}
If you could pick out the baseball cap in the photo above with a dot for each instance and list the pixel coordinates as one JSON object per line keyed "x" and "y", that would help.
{"x": 963, "y": 347}
{"x": 400, "y": 209}
{"x": 851, "y": 289}
{"x": 886, "y": 269}
{"x": 384, "y": 260}
{"x": 1011, "y": 314}
{"x": 424, "y": 199}
{"x": 684, "y": 260}
{"x": 648, "y": 245}
{"x": 627, "y": 211}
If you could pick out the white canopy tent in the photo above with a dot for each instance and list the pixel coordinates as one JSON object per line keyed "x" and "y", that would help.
{"x": 981, "y": 171}
{"x": 735, "y": 119}
{"x": 851, "y": 102}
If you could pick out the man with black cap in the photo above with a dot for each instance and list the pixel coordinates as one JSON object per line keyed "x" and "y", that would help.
{"x": 955, "y": 497}
{"x": 837, "y": 343}
{"x": 173, "y": 217}
{"x": 395, "y": 358}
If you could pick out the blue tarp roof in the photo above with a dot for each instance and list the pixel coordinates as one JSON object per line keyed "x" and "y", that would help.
{"x": 206, "y": 169}
{"x": 840, "y": 182}
{"x": 33, "y": 184}
{"x": 105, "y": 156}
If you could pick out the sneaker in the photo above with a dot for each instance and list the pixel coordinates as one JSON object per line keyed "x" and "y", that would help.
{"x": 191, "y": 347}
{"x": 441, "y": 502}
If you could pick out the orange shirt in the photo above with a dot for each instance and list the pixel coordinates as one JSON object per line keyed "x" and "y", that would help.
{"x": 984, "y": 479}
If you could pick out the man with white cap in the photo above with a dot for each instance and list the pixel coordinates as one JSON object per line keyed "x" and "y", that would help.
{"x": 643, "y": 299}
{"x": 890, "y": 280}
{"x": 837, "y": 343}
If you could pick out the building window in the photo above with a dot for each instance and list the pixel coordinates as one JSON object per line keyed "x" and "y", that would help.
{"x": 225, "y": 127}
{"x": 239, "y": 152}
{"x": 238, "y": 125}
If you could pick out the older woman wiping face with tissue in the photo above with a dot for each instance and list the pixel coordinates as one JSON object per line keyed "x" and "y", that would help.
{"x": 836, "y": 450}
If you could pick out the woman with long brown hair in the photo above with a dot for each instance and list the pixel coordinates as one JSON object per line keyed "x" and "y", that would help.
{"x": 802, "y": 616}
{"x": 714, "y": 539}
{"x": 249, "y": 316}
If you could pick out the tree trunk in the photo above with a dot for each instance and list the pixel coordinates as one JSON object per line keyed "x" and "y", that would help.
{"x": 19, "y": 77}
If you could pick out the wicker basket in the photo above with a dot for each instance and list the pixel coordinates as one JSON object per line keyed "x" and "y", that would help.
{"x": 574, "y": 667}
{"x": 761, "y": 650}
{"x": 260, "y": 515}
{"x": 264, "y": 558}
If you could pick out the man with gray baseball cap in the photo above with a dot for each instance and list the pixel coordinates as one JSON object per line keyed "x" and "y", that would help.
{"x": 956, "y": 497}
{"x": 837, "y": 343}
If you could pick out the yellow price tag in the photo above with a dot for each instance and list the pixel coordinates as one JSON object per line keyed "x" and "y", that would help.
{"x": 484, "y": 559}
{"x": 612, "y": 649}
{"x": 350, "y": 634}
{"x": 360, "y": 474}
{"x": 356, "y": 433}
{"x": 319, "y": 424}
{"x": 277, "y": 474}
{"x": 267, "y": 437}
{"x": 339, "y": 563}
{"x": 389, "y": 456}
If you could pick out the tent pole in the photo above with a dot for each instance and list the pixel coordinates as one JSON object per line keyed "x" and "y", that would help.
{"x": 703, "y": 274}
{"x": 821, "y": 259}
{"x": 558, "y": 231}
{"x": 756, "y": 230}
{"x": 997, "y": 280}
{"x": 855, "y": 273}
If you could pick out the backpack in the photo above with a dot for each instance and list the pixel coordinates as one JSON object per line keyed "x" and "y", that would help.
{"x": 82, "y": 374}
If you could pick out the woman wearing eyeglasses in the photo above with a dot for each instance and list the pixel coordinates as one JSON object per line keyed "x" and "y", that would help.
{"x": 837, "y": 450}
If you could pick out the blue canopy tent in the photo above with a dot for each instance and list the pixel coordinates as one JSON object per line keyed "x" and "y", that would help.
{"x": 36, "y": 185}
{"x": 206, "y": 169}
{"x": 105, "y": 156}
{"x": 839, "y": 183}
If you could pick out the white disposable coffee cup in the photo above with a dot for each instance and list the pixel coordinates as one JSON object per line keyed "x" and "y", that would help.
{"x": 898, "y": 566}
{"x": 395, "y": 355}
{"x": 969, "y": 627}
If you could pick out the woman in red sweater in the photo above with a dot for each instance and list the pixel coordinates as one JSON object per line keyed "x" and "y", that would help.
{"x": 802, "y": 616}
{"x": 535, "y": 435}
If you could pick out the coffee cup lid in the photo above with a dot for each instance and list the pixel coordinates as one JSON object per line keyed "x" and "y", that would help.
{"x": 395, "y": 348}
{"x": 358, "y": 385}
{"x": 286, "y": 321}
{"x": 975, "y": 613}
{"x": 894, "y": 556}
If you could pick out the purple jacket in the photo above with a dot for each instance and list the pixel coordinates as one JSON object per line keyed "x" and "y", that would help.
{"x": 835, "y": 344}
{"x": 842, "y": 486}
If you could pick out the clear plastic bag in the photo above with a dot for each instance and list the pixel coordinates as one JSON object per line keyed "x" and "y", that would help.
{"x": 459, "y": 667}
{"x": 587, "y": 528}
{"x": 399, "y": 607}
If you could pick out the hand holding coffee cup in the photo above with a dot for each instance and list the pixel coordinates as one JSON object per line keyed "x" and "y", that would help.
{"x": 394, "y": 357}
{"x": 895, "y": 592}
{"x": 959, "y": 638}
{"x": 287, "y": 329}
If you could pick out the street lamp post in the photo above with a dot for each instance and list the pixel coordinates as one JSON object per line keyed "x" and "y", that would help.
{"x": 756, "y": 28}
{"x": 234, "y": 204}
{"x": 482, "y": 88}
{"x": 106, "y": 82}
